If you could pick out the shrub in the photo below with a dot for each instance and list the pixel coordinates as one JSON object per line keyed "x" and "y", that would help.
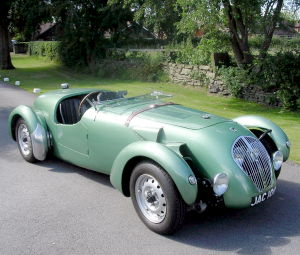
{"x": 76, "y": 54}
{"x": 236, "y": 79}
{"x": 281, "y": 73}
{"x": 139, "y": 43}
{"x": 277, "y": 44}
{"x": 200, "y": 54}
{"x": 48, "y": 49}
{"x": 146, "y": 66}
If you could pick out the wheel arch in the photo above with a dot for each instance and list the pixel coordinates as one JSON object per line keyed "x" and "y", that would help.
{"x": 175, "y": 166}
{"x": 267, "y": 141}
{"x": 277, "y": 135}
{"x": 128, "y": 168}
{"x": 13, "y": 124}
{"x": 37, "y": 129}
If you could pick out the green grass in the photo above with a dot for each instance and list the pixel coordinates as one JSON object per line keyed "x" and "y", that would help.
{"x": 34, "y": 72}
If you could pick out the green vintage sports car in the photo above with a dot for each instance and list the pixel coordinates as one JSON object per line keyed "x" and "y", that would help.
{"x": 167, "y": 157}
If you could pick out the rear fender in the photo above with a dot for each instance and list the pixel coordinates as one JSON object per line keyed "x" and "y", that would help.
{"x": 37, "y": 129}
{"x": 278, "y": 135}
{"x": 171, "y": 162}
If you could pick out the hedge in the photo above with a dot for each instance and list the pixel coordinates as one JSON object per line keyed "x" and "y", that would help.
{"x": 48, "y": 49}
{"x": 278, "y": 73}
{"x": 278, "y": 43}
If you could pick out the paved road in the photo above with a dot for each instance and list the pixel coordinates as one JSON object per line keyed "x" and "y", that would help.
{"x": 56, "y": 208}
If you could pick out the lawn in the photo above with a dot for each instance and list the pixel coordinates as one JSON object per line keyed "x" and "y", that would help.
{"x": 34, "y": 72}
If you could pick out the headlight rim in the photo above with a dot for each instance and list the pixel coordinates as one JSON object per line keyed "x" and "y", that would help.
{"x": 221, "y": 188}
{"x": 278, "y": 160}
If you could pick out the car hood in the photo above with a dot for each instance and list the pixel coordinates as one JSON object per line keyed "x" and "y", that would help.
{"x": 181, "y": 116}
{"x": 172, "y": 114}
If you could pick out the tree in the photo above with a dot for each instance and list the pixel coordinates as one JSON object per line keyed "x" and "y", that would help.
{"x": 20, "y": 16}
{"x": 239, "y": 17}
{"x": 158, "y": 16}
{"x": 84, "y": 24}
{"x": 269, "y": 20}
{"x": 5, "y": 61}
{"x": 26, "y": 17}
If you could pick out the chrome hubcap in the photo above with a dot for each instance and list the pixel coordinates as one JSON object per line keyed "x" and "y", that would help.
{"x": 150, "y": 198}
{"x": 24, "y": 139}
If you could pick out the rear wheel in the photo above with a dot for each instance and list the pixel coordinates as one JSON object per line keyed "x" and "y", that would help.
{"x": 156, "y": 199}
{"x": 24, "y": 141}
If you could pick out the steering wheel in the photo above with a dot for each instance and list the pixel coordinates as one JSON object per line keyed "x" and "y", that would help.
{"x": 86, "y": 98}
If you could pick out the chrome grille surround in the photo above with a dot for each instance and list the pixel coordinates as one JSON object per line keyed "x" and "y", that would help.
{"x": 252, "y": 157}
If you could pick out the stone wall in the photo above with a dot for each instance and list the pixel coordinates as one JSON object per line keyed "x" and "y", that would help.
{"x": 256, "y": 94}
{"x": 203, "y": 76}
{"x": 200, "y": 76}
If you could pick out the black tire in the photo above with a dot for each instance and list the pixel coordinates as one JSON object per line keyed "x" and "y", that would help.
{"x": 28, "y": 155}
{"x": 175, "y": 207}
{"x": 277, "y": 173}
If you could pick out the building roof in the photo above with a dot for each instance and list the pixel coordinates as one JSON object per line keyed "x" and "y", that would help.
{"x": 45, "y": 27}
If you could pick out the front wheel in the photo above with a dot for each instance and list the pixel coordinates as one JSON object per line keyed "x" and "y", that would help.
{"x": 156, "y": 199}
{"x": 24, "y": 141}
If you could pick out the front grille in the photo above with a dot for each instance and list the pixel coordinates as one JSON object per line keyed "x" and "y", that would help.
{"x": 252, "y": 157}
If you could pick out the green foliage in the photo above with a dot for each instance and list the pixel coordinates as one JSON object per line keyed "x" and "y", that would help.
{"x": 205, "y": 15}
{"x": 49, "y": 50}
{"x": 281, "y": 73}
{"x": 26, "y": 16}
{"x": 145, "y": 66}
{"x": 200, "y": 54}
{"x": 238, "y": 17}
{"x": 200, "y": 76}
{"x": 277, "y": 44}
{"x": 139, "y": 43}
{"x": 236, "y": 79}
{"x": 187, "y": 53}
{"x": 84, "y": 24}
{"x": 159, "y": 17}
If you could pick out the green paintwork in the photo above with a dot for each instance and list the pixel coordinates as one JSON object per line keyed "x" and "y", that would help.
{"x": 277, "y": 134}
{"x": 101, "y": 141}
{"x": 176, "y": 167}
{"x": 27, "y": 114}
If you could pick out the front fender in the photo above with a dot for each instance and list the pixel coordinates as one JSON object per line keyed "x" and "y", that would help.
{"x": 278, "y": 135}
{"x": 36, "y": 128}
{"x": 172, "y": 163}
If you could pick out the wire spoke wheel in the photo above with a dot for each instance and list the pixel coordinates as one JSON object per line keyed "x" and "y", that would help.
{"x": 150, "y": 198}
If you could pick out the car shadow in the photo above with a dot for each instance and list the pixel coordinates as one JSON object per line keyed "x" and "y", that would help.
{"x": 6, "y": 143}
{"x": 255, "y": 230}
{"x": 249, "y": 231}
{"x": 56, "y": 165}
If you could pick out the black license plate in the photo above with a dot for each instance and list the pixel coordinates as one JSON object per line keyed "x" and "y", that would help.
{"x": 262, "y": 197}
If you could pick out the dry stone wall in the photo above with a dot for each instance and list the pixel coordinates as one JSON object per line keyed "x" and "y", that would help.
{"x": 200, "y": 76}
{"x": 256, "y": 94}
{"x": 203, "y": 76}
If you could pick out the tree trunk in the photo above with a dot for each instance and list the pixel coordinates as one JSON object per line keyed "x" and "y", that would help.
{"x": 5, "y": 60}
{"x": 239, "y": 34}
{"x": 270, "y": 31}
